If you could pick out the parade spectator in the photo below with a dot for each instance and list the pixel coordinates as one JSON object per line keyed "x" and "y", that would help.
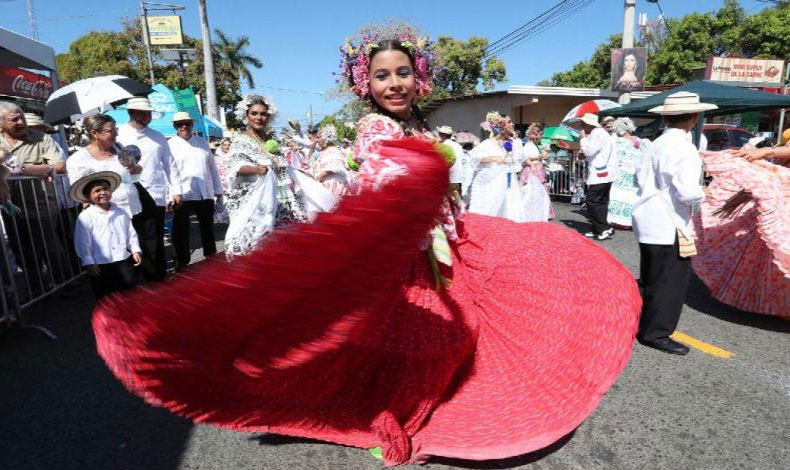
{"x": 330, "y": 166}
{"x": 198, "y": 184}
{"x": 669, "y": 187}
{"x": 596, "y": 144}
{"x": 28, "y": 152}
{"x": 104, "y": 238}
{"x": 457, "y": 170}
{"x": 154, "y": 187}
{"x": 628, "y": 152}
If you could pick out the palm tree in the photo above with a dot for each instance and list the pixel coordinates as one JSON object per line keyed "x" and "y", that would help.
{"x": 234, "y": 53}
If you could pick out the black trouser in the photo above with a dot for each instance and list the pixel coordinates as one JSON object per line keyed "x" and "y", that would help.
{"x": 664, "y": 280}
{"x": 204, "y": 210}
{"x": 150, "y": 227}
{"x": 598, "y": 206}
{"x": 114, "y": 277}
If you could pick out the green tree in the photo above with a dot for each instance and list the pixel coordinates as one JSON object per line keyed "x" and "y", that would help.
{"x": 593, "y": 73}
{"x": 461, "y": 67}
{"x": 234, "y": 53}
{"x": 123, "y": 53}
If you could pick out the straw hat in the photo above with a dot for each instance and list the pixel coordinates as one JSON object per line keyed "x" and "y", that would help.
{"x": 590, "y": 119}
{"x": 139, "y": 103}
{"x": 34, "y": 120}
{"x": 445, "y": 130}
{"x": 682, "y": 102}
{"x": 77, "y": 189}
{"x": 607, "y": 119}
{"x": 182, "y": 116}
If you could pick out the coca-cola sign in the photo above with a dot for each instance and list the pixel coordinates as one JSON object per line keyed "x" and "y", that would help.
{"x": 24, "y": 84}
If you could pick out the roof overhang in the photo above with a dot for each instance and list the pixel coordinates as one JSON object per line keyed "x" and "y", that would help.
{"x": 20, "y": 51}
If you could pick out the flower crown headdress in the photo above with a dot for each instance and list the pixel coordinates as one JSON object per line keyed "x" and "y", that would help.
{"x": 244, "y": 105}
{"x": 328, "y": 133}
{"x": 355, "y": 59}
{"x": 494, "y": 123}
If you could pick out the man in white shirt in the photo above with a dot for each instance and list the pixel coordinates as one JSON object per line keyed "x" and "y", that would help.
{"x": 457, "y": 170}
{"x": 668, "y": 188}
{"x": 154, "y": 188}
{"x": 596, "y": 145}
{"x": 199, "y": 183}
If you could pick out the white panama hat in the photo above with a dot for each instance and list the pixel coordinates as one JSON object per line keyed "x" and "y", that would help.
{"x": 682, "y": 102}
{"x": 445, "y": 130}
{"x": 590, "y": 119}
{"x": 182, "y": 116}
{"x": 77, "y": 189}
{"x": 35, "y": 120}
{"x": 139, "y": 103}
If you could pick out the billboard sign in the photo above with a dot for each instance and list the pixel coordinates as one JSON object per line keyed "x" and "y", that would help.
{"x": 629, "y": 66}
{"x": 165, "y": 30}
{"x": 739, "y": 69}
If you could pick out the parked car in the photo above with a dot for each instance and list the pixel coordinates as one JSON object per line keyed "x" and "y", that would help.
{"x": 722, "y": 136}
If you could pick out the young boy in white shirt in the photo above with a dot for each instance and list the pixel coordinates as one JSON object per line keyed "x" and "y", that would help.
{"x": 104, "y": 238}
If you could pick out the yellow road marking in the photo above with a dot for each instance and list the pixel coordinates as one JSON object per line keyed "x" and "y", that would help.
{"x": 701, "y": 345}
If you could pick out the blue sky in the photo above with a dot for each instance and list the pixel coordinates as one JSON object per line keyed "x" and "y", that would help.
{"x": 298, "y": 40}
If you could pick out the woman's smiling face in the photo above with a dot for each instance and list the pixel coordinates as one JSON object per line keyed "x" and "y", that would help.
{"x": 392, "y": 82}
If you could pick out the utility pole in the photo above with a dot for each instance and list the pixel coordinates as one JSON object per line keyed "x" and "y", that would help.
{"x": 629, "y": 18}
{"x": 208, "y": 63}
{"x": 31, "y": 15}
{"x": 147, "y": 41}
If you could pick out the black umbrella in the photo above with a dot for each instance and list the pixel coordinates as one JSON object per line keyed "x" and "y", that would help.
{"x": 91, "y": 95}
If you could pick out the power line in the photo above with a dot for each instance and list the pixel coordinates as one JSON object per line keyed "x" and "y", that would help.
{"x": 559, "y": 12}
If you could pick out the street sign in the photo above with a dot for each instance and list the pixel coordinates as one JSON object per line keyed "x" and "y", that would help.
{"x": 165, "y": 30}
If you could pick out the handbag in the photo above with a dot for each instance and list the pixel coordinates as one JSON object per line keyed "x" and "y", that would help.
{"x": 686, "y": 244}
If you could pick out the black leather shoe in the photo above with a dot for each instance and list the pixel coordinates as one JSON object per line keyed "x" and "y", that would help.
{"x": 666, "y": 345}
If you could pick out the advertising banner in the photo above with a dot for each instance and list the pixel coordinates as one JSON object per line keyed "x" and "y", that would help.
{"x": 629, "y": 66}
{"x": 165, "y": 30}
{"x": 739, "y": 69}
{"x": 24, "y": 84}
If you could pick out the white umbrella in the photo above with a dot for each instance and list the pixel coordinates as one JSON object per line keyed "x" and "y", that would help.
{"x": 91, "y": 95}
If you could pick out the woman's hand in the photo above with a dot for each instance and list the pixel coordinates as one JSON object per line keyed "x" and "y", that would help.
{"x": 262, "y": 170}
{"x": 754, "y": 154}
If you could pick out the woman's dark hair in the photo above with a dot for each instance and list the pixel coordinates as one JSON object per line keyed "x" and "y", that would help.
{"x": 394, "y": 45}
{"x": 96, "y": 123}
{"x": 257, "y": 99}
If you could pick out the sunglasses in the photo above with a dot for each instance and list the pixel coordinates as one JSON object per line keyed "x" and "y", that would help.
{"x": 183, "y": 124}
{"x": 108, "y": 131}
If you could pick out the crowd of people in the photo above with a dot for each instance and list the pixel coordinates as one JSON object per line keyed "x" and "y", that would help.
{"x": 378, "y": 293}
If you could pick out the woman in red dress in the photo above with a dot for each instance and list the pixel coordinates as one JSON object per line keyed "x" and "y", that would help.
{"x": 389, "y": 322}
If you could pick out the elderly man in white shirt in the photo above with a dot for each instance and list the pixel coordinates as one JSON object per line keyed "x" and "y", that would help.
{"x": 154, "y": 188}
{"x": 668, "y": 188}
{"x": 199, "y": 184}
{"x": 596, "y": 145}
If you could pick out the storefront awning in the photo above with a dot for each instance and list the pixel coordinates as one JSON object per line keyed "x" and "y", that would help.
{"x": 20, "y": 51}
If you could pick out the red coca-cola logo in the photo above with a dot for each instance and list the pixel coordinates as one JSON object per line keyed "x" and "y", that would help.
{"x": 35, "y": 89}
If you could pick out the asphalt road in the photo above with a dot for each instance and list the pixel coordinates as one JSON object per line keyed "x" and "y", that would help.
{"x": 61, "y": 409}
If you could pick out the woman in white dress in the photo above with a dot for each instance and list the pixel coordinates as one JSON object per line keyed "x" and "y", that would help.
{"x": 627, "y": 154}
{"x": 265, "y": 192}
{"x": 495, "y": 189}
{"x": 330, "y": 166}
{"x": 537, "y": 203}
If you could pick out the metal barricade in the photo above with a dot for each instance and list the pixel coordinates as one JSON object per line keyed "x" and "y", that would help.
{"x": 566, "y": 177}
{"x": 37, "y": 245}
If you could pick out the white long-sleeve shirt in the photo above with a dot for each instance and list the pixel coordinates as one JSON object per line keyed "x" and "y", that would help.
{"x": 197, "y": 173}
{"x": 125, "y": 197}
{"x": 668, "y": 188}
{"x": 597, "y": 148}
{"x": 103, "y": 237}
{"x": 157, "y": 162}
{"x": 457, "y": 170}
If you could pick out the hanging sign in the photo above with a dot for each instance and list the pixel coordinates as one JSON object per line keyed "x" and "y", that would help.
{"x": 739, "y": 69}
{"x": 165, "y": 30}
